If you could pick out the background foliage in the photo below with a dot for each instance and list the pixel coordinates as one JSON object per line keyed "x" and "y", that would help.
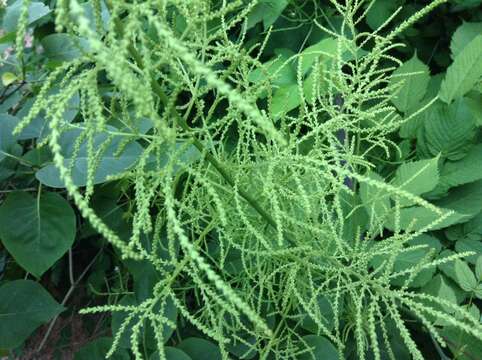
{"x": 183, "y": 219}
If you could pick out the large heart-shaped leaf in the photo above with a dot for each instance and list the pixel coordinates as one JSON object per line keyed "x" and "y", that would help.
{"x": 24, "y": 306}
{"x": 109, "y": 162}
{"x": 36, "y": 231}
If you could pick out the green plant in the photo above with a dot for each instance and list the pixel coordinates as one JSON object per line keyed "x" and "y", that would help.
{"x": 260, "y": 211}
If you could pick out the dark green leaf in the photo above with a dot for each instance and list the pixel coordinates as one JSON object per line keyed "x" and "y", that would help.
{"x": 36, "y": 231}
{"x": 200, "y": 349}
{"x": 24, "y": 306}
{"x": 320, "y": 348}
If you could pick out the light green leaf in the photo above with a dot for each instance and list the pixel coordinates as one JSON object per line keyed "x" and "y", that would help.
{"x": 200, "y": 349}
{"x": 24, "y": 306}
{"x": 448, "y": 130}
{"x": 320, "y": 348}
{"x": 464, "y": 171}
{"x": 278, "y": 69}
{"x": 478, "y": 268}
{"x": 267, "y": 11}
{"x": 380, "y": 11}
{"x": 110, "y": 163}
{"x": 375, "y": 200}
{"x": 465, "y": 277}
{"x": 464, "y": 72}
{"x": 464, "y": 34}
{"x": 418, "y": 217}
{"x": 416, "y": 177}
{"x": 325, "y": 51}
{"x": 414, "y": 76}
{"x": 474, "y": 245}
{"x": 36, "y": 231}
{"x": 439, "y": 288}
{"x": 285, "y": 99}
{"x": 8, "y": 78}
{"x": 478, "y": 292}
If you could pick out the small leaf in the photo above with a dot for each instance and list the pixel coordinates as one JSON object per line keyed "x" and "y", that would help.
{"x": 464, "y": 72}
{"x": 415, "y": 76}
{"x": 24, "y": 306}
{"x": 36, "y": 231}
{"x": 8, "y": 78}
{"x": 465, "y": 276}
{"x": 416, "y": 177}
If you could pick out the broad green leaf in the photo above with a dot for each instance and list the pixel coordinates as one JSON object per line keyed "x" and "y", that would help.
{"x": 416, "y": 177}
{"x": 474, "y": 245}
{"x": 375, "y": 200}
{"x": 464, "y": 171}
{"x": 110, "y": 163}
{"x": 320, "y": 348}
{"x": 465, "y": 199}
{"x": 414, "y": 76}
{"x": 63, "y": 47}
{"x": 36, "y": 231}
{"x": 325, "y": 51}
{"x": 39, "y": 127}
{"x": 464, "y": 34}
{"x": 478, "y": 268}
{"x": 418, "y": 217}
{"x": 24, "y": 306}
{"x": 409, "y": 129}
{"x": 324, "y": 312}
{"x": 200, "y": 349}
{"x": 380, "y": 11}
{"x": 98, "y": 349}
{"x": 285, "y": 99}
{"x": 7, "y": 139}
{"x": 448, "y": 130}
{"x": 478, "y": 293}
{"x": 440, "y": 288}
{"x": 464, "y": 72}
{"x": 266, "y": 11}
{"x": 465, "y": 277}
{"x": 281, "y": 72}
{"x": 467, "y": 346}
{"x": 171, "y": 354}
{"x": 411, "y": 257}
{"x": 36, "y": 11}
